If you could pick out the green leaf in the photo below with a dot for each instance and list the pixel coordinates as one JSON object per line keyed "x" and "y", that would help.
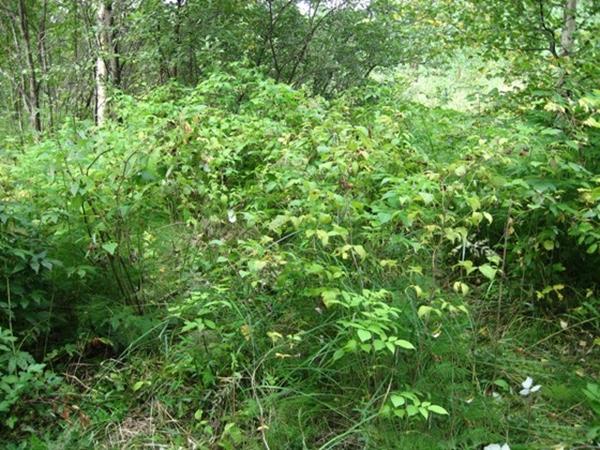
{"x": 74, "y": 189}
{"x": 437, "y": 410}
{"x": 400, "y": 413}
{"x": 474, "y": 203}
{"x": 338, "y": 354}
{"x": 390, "y": 347}
{"x": 110, "y": 247}
{"x": 330, "y": 296}
{"x": 397, "y": 400}
{"x": 364, "y": 335}
{"x": 366, "y": 347}
{"x": 385, "y": 410}
{"x": 412, "y": 410}
{"x": 35, "y": 266}
{"x": 378, "y": 345}
{"x": 501, "y": 383}
{"x": 405, "y": 344}
{"x": 488, "y": 271}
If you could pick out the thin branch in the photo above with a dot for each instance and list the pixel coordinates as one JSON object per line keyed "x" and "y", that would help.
{"x": 547, "y": 30}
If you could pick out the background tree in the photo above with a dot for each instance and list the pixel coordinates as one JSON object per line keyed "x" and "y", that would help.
{"x": 65, "y": 58}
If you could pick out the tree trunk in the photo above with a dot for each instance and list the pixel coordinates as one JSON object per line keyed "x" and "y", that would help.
{"x": 33, "y": 102}
{"x": 177, "y": 39}
{"x": 113, "y": 36}
{"x": 103, "y": 22}
{"x": 115, "y": 64}
{"x": 567, "y": 40}
{"x": 568, "y": 31}
{"x": 44, "y": 63}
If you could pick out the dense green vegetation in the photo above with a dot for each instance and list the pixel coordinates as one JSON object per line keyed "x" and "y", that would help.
{"x": 392, "y": 244}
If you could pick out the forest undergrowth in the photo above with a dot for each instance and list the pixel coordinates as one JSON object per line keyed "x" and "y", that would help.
{"x": 243, "y": 265}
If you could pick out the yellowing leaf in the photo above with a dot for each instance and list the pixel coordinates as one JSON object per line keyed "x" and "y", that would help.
{"x": 245, "y": 329}
{"x": 460, "y": 171}
{"x": 256, "y": 265}
{"x": 323, "y": 237}
{"x": 360, "y": 251}
{"x": 424, "y": 311}
{"x": 274, "y": 336}
{"x": 474, "y": 203}
{"x": 460, "y": 287}
{"x": 418, "y": 290}
{"x": 476, "y": 217}
{"x": 591, "y": 122}
{"x": 329, "y": 296}
{"x": 426, "y": 197}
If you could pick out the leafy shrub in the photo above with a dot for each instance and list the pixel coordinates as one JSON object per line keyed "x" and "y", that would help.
{"x": 250, "y": 246}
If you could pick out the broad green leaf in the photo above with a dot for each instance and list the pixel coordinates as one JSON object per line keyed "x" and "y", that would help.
{"x": 338, "y": 354}
{"x": 364, "y": 335}
{"x": 138, "y": 385}
{"x": 330, "y": 296}
{"x": 412, "y": 410}
{"x": 488, "y": 271}
{"x": 397, "y": 400}
{"x": 110, "y": 247}
{"x": 437, "y": 409}
{"x": 404, "y": 344}
{"x": 378, "y": 345}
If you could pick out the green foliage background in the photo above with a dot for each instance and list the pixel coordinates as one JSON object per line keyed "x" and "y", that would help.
{"x": 236, "y": 261}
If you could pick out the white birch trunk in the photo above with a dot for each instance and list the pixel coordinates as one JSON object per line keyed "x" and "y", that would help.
{"x": 103, "y": 22}
{"x": 568, "y": 31}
